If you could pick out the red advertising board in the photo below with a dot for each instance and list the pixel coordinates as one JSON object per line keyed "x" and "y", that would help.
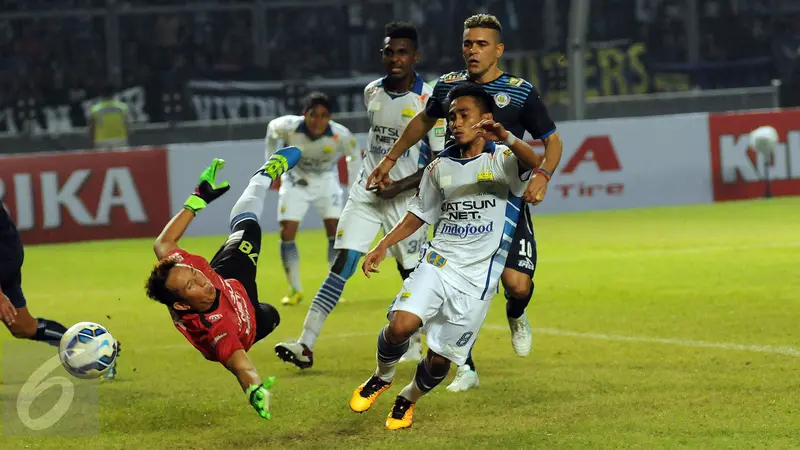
{"x": 70, "y": 197}
{"x": 737, "y": 171}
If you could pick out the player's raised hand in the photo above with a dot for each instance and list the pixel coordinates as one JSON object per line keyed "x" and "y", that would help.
{"x": 491, "y": 130}
{"x": 207, "y": 189}
{"x": 373, "y": 260}
{"x": 380, "y": 174}
{"x": 259, "y": 397}
{"x": 7, "y": 311}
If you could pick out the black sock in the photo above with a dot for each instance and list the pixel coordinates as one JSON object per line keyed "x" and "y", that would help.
{"x": 425, "y": 379}
{"x": 403, "y": 272}
{"x": 515, "y": 307}
{"x": 49, "y": 331}
{"x": 470, "y": 362}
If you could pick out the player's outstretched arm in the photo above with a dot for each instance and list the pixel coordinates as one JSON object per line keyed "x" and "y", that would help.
{"x": 206, "y": 191}
{"x": 416, "y": 129}
{"x": 405, "y": 228}
{"x": 257, "y": 392}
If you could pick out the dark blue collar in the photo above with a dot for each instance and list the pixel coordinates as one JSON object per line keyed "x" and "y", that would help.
{"x": 454, "y": 152}
{"x": 302, "y": 129}
{"x": 416, "y": 88}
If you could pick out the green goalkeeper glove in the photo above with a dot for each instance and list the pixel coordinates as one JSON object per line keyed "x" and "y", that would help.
{"x": 207, "y": 190}
{"x": 259, "y": 397}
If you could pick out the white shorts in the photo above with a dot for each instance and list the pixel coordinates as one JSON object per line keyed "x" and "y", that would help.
{"x": 451, "y": 319}
{"x": 361, "y": 221}
{"x": 294, "y": 200}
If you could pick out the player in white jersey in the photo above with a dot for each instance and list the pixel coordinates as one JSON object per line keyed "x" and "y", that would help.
{"x": 392, "y": 101}
{"x": 313, "y": 181}
{"x": 471, "y": 194}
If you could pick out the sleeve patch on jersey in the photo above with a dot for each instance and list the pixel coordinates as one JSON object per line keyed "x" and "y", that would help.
{"x": 507, "y": 152}
{"x": 453, "y": 76}
{"x": 515, "y": 81}
{"x": 328, "y": 149}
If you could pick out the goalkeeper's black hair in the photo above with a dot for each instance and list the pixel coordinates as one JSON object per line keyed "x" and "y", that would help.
{"x": 316, "y": 98}
{"x": 474, "y": 90}
{"x": 156, "y": 285}
{"x": 402, "y": 30}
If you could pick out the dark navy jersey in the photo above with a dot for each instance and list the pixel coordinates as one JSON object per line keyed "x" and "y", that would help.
{"x": 517, "y": 104}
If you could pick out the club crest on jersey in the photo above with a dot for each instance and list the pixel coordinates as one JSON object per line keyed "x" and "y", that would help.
{"x": 502, "y": 99}
{"x": 328, "y": 149}
{"x": 408, "y": 112}
{"x": 485, "y": 176}
{"x": 436, "y": 260}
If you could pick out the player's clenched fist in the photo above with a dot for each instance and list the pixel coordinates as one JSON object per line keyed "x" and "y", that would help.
{"x": 373, "y": 260}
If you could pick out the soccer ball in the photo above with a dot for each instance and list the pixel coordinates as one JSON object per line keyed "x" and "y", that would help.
{"x": 87, "y": 350}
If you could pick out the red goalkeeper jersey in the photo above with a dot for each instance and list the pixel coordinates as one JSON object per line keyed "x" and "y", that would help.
{"x": 228, "y": 326}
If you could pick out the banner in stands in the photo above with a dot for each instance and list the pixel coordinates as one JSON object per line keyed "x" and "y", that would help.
{"x": 243, "y": 100}
{"x": 68, "y": 197}
{"x": 627, "y": 163}
{"x": 738, "y": 171}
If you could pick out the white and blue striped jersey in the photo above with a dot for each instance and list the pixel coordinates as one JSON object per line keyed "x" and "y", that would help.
{"x": 473, "y": 204}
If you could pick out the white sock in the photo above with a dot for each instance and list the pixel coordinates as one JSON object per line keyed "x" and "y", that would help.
{"x": 290, "y": 257}
{"x": 251, "y": 202}
{"x": 312, "y": 326}
{"x": 411, "y": 392}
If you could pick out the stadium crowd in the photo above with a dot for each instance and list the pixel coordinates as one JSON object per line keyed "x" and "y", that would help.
{"x": 55, "y": 55}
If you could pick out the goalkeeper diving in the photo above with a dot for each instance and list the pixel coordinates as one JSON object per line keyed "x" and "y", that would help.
{"x": 215, "y": 304}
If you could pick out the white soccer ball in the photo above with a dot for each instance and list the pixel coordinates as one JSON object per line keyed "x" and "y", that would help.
{"x": 87, "y": 350}
{"x": 764, "y": 139}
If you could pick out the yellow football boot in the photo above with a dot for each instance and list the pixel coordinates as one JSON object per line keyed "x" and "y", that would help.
{"x": 402, "y": 414}
{"x": 293, "y": 298}
{"x": 366, "y": 394}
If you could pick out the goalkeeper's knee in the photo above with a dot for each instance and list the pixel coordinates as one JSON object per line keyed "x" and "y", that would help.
{"x": 346, "y": 263}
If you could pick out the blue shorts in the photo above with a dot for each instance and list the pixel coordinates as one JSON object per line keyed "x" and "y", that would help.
{"x": 11, "y": 284}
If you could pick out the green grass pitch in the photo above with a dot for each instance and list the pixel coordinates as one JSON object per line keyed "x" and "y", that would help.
{"x": 654, "y": 328}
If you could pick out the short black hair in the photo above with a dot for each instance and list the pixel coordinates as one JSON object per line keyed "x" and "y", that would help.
{"x": 484, "y": 21}
{"x": 474, "y": 90}
{"x": 402, "y": 30}
{"x": 316, "y": 98}
{"x": 156, "y": 285}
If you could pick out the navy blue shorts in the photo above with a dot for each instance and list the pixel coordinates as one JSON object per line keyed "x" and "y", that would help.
{"x": 11, "y": 283}
{"x": 522, "y": 256}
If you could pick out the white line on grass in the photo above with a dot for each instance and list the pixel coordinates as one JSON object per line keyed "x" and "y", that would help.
{"x": 779, "y": 350}
{"x": 782, "y": 350}
{"x": 603, "y": 254}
